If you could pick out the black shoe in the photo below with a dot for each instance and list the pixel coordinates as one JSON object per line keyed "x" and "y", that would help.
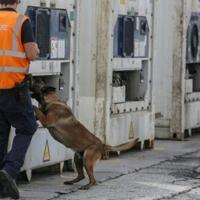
{"x": 3, "y": 193}
{"x": 9, "y": 184}
{"x": 3, "y": 196}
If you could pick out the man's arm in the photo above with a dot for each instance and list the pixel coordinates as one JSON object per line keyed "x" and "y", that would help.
{"x": 30, "y": 46}
{"x": 32, "y": 51}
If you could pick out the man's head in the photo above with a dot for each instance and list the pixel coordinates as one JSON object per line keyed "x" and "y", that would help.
{"x": 9, "y": 2}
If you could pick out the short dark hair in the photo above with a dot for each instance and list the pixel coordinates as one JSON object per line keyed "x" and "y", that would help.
{"x": 7, "y": 2}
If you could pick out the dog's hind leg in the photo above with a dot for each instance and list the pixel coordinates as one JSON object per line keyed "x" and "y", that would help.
{"x": 79, "y": 167}
{"x": 91, "y": 155}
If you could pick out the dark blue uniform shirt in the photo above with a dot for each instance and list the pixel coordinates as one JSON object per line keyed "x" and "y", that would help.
{"x": 27, "y": 35}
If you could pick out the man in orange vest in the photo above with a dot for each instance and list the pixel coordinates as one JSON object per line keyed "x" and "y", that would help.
{"x": 17, "y": 49}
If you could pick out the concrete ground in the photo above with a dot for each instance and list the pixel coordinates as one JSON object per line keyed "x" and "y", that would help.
{"x": 170, "y": 171}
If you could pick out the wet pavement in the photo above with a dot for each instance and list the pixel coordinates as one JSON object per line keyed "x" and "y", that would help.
{"x": 170, "y": 171}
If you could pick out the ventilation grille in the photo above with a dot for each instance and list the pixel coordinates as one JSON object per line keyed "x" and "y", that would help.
{"x": 125, "y": 36}
{"x": 128, "y": 37}
{"x": 43, "y": 33}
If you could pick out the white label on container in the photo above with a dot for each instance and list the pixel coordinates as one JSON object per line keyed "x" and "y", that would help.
{"x": 54, "y": 48}
{"x": 61, "y": 49}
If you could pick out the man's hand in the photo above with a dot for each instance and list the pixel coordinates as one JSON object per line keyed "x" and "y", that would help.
{"x": 35, "y": 109}
{"x": 32, "y": 51}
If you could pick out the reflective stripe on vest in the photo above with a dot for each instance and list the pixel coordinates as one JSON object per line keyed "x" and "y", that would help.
{"x": 13, "y": 52}
{"x": 14, "y": 69}
{"x": 16, "y": 30}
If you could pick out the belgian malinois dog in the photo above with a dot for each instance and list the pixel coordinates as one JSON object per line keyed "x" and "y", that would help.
{"x": 58, "y": 118}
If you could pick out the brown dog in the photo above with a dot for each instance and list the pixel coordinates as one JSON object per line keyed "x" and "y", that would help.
{"x": 65, "y": 128}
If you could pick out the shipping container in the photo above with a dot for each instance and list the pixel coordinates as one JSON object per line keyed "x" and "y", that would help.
{"x": 56, "y": 32}
{"x": 115, "y": 100}
{"x": 176, "y": 67}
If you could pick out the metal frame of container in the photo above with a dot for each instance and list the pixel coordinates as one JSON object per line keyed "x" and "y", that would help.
{"x": 114, "y": 123}
{"x": 177, "y": 106}
{"x": 44, "y": 150}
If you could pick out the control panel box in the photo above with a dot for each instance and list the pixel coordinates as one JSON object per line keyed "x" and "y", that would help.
{"x": 51, "y": 27}
{"x": 131, "y": 37}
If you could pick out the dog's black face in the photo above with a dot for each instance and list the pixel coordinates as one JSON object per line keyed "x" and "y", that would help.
{"x": 37, "y": 85}
{"x": 47, "y": 90}
{"x": 39, "y": 90}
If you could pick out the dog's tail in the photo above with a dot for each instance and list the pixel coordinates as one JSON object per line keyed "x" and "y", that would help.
{"x": 121, "y": 147}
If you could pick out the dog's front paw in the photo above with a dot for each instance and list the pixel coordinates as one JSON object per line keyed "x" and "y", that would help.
{"x": 69, "y": 182}
{"x": 35, "y": 108}
{"x": 79, "y": 178}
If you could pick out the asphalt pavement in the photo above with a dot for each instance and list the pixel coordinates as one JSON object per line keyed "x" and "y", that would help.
{"x": 170, "y": 171}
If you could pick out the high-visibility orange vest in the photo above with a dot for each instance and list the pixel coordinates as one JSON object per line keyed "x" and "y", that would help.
{"x": 13, "y": 62}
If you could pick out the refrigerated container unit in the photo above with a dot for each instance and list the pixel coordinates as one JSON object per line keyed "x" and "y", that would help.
{"x": 116, "y": 51}
{"x": 176, "y": 68}
{"x": 54, "y": 28}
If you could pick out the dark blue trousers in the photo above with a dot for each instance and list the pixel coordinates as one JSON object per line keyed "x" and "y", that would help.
{"x": 19, "y": 114}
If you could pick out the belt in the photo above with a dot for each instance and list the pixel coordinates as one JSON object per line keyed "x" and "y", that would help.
{"x": 7, "y": 89}
{"x": 13, "y": 88}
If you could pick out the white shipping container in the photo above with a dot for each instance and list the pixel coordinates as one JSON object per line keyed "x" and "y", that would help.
{"x": 176, "y": 92}
{"x": 106, "y": 73}
{"x": 59, "y": 72}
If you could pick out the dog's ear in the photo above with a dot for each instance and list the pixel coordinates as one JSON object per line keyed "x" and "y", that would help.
{"x": 37, "y": 84}
{"x": 47, "y": 90}
{"x": 37, "y": 96}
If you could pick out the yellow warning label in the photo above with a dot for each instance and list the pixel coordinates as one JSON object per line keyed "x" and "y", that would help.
{"x": 131, "y": 131}
{"x": 46, "y": 156}
{"x": 123, "y": 2}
